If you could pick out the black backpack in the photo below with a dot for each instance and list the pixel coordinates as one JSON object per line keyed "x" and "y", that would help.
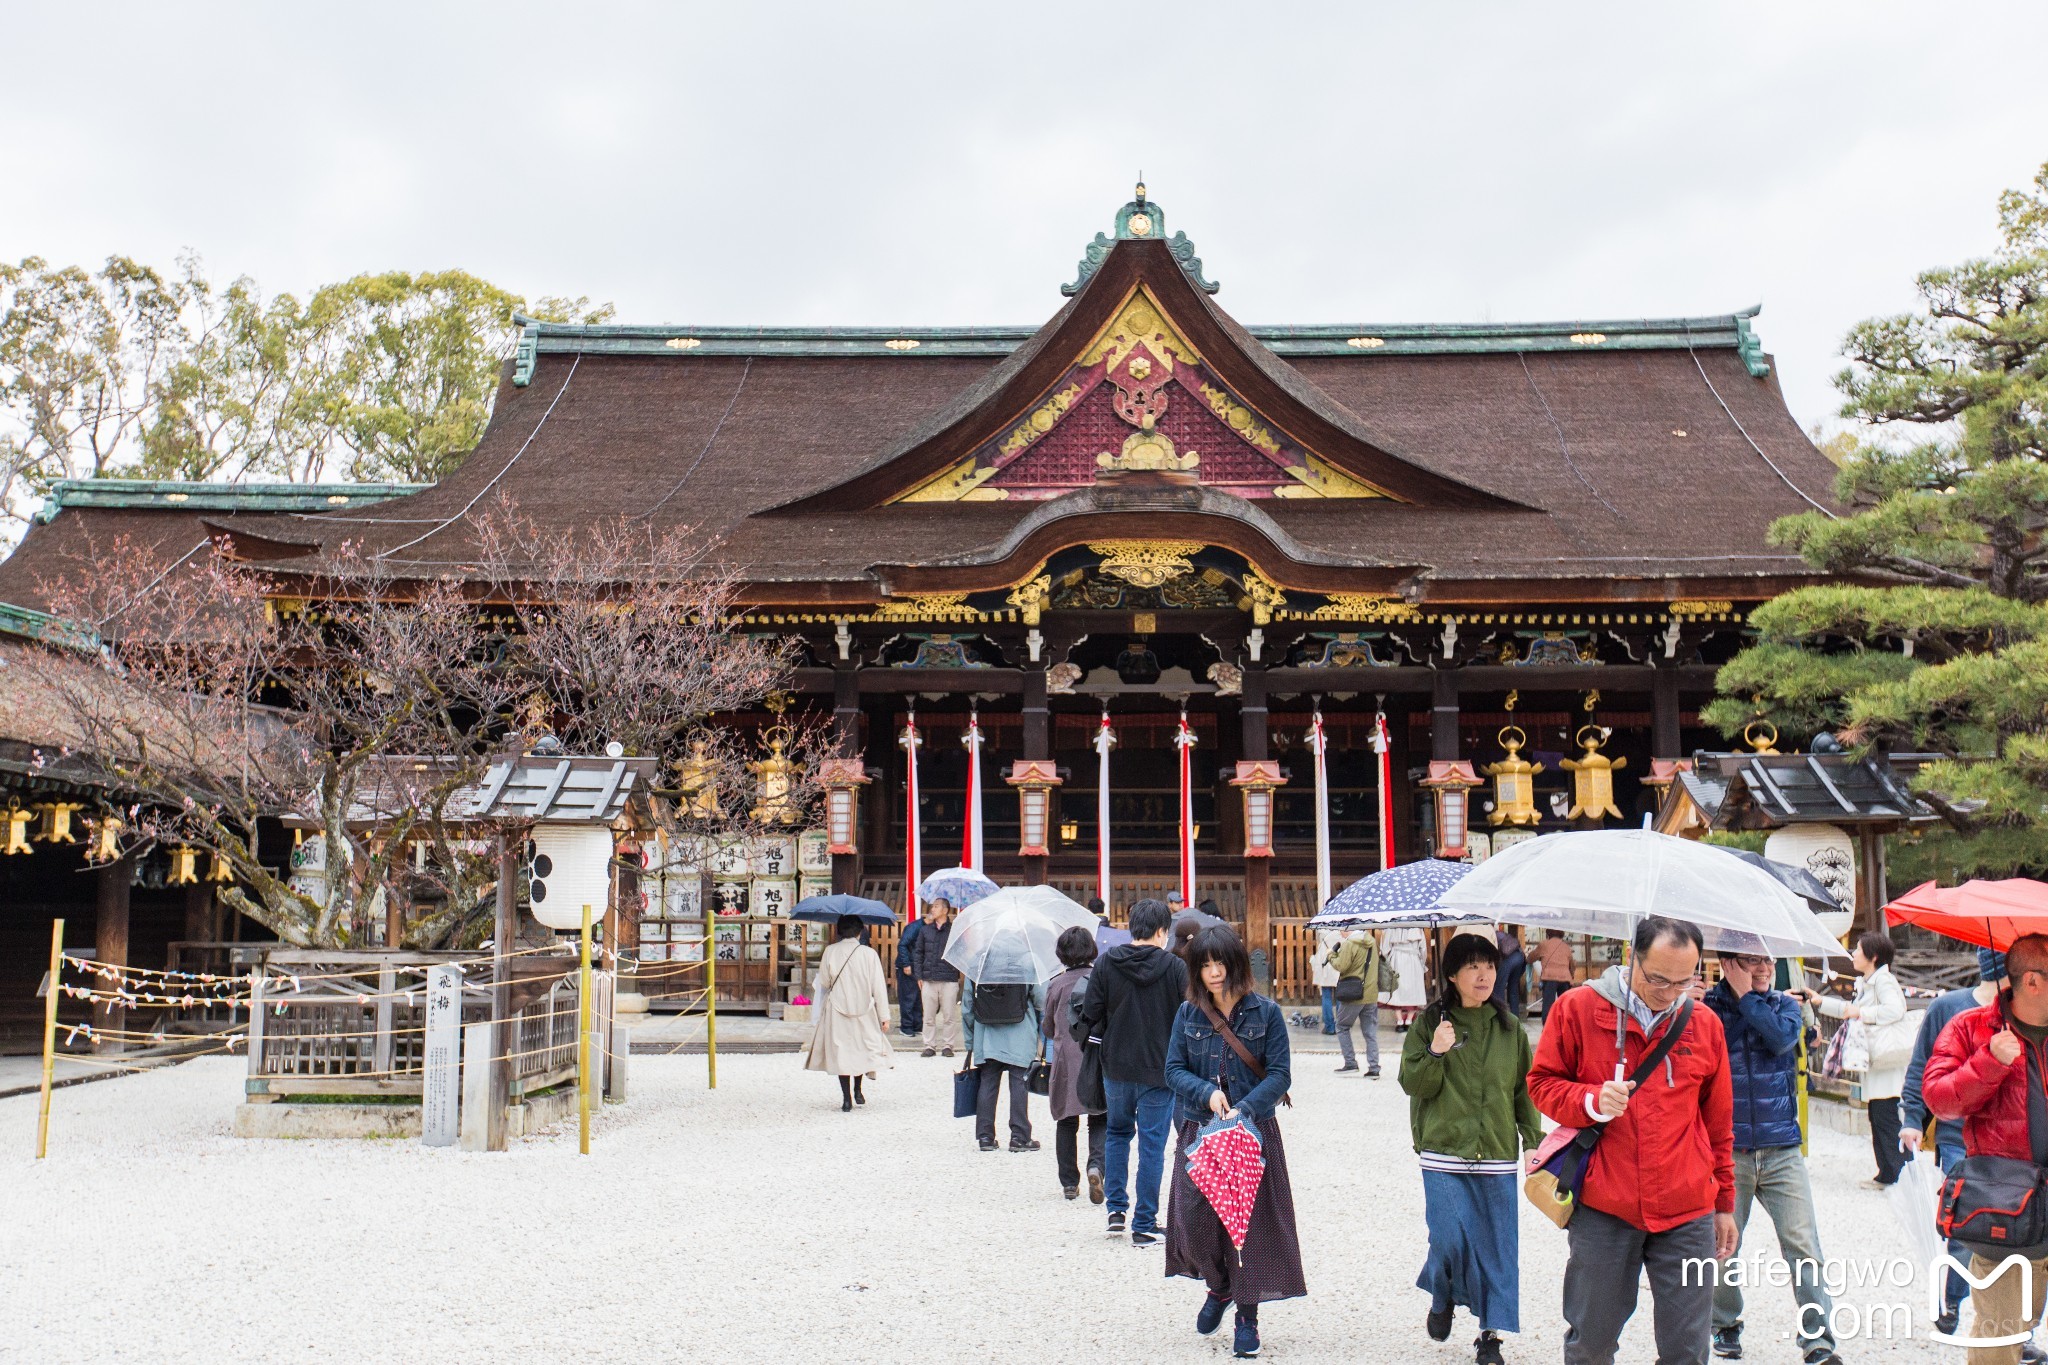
{"x": 1001, "y": 1004}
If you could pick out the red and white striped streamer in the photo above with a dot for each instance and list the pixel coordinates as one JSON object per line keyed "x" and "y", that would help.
{"x": 1384, "y": 747}
{"x": 1105, "y": 740}
{"x": 913, "y": 844}
{"x": 1184, "y": 740}
{"x": 970, "y": 836}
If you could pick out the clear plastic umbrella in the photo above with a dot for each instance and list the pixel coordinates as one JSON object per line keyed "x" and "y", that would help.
{"x": 1605, "y": 881}
{"x": 1012, "y": 935}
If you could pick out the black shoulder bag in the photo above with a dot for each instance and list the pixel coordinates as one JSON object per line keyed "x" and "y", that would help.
{"x": 1995, "y": 1205}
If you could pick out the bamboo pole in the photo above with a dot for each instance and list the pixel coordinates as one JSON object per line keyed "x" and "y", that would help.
{"x": 583, "y": 1040}
{"x": 49, "y": 1037}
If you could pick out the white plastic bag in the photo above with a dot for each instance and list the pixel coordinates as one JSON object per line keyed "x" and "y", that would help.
{"x": 1914, "y": 1197}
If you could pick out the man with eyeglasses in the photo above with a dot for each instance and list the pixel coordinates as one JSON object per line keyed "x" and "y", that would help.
{"x": 1659, "y": 1190}
{"x": 1763, "y": 1027}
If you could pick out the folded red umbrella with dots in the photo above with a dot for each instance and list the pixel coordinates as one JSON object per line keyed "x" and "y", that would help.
{"x": 1226, "y": 1163}
{"x": 1988, "y": 914}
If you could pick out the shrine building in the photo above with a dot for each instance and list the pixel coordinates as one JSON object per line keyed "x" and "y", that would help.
{"x": 1527, "y": 545}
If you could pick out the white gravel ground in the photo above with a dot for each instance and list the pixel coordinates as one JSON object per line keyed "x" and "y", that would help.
{"x": 751, "y": 1223}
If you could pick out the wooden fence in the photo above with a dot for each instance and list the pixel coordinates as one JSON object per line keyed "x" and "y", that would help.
{"x": 338, "y": 1022}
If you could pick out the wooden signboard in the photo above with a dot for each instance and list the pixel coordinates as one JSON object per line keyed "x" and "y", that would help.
{"x": 441, "y": 1063}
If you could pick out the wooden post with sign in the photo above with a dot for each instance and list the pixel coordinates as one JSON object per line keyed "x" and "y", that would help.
{"x": 441, "y": 1057}
{"x": 583, "y": 1038}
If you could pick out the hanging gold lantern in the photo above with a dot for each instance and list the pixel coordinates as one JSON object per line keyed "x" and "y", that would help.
{"x": 776, "y": 774}
{"x": 1514, "y": 781}
{"x": 184, "y": 866}
{"x": 106, "y": 839}
{"x": 56, "y": 823}
{"x": 1593, "y": 775}
{"x": 17, "y": 828}
{"x": 217, "y": 869}
{"x": 697, "y": 778}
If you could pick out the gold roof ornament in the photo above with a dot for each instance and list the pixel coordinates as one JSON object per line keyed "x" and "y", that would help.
{"x": 1365, "y": 606}
{"x": 1264, "y": 598}
{"x": 1514, "y": 785}
{"x": 1593, "y": 775}
{"x": 1759, "y": 742}
{"x": 1146, "y": 450}
{"x": 697, "y": 780}
{"x": 1030, "y": 597}
{"x": 1147, "y": 563}
{"x": 927, "y": 606}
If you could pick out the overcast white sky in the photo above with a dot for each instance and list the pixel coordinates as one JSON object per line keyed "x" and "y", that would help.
{"x": 945, "y": 163}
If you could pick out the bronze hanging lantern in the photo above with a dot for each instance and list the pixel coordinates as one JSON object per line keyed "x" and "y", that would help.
{"x": 777, "y": 777}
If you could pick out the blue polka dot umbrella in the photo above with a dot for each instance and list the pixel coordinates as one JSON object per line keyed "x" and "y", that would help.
{"x": 958, "y": 887}
{"x": 1400, "y": 897}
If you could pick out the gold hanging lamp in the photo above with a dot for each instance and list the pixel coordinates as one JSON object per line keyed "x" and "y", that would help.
{"x": 1593, "y": 775}
{"x": 1514, "y": 781}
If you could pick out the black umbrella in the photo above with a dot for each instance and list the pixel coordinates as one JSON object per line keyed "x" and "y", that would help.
{"x": 1797, "y": 880}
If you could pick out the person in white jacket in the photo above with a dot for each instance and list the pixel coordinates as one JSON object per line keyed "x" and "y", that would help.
{"x": 1323, "y": 976}
{"x": 1878, "y": 1010}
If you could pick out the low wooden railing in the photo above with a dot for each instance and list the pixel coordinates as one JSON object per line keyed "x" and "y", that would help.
{"x": 339, "y": 1022}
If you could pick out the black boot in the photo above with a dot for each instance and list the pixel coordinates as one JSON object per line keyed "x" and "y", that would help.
{"x": 858, "y": 1098}
{"x": 846, "y": 1094}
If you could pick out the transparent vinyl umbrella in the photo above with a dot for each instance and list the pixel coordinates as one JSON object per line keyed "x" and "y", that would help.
{"x": 1012, "y": 935}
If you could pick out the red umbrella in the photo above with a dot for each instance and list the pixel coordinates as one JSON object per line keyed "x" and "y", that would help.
{"x": 1988, "y": 914}
{"x": 1226, "y": 1164}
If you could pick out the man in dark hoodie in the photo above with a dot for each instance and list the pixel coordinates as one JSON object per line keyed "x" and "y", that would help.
{"x": 1132, "y": 997}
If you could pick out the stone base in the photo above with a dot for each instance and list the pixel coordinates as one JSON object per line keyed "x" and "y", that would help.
{"x": 796, "y": 1014}
{"x": 388, "y": 1120}
{"x": 1843, "y": 1118}
{"x": 629, "y": 1002}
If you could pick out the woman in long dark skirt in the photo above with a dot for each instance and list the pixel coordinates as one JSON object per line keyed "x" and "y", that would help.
{"x": 1465, "y": 1067}
{"x": 1209, "y": 1080}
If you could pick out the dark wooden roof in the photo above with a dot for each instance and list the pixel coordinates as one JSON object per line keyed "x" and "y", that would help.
{"x": 1644, "y": 461}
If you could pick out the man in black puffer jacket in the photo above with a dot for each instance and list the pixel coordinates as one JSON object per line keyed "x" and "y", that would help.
{"x": 1133, "y": 995}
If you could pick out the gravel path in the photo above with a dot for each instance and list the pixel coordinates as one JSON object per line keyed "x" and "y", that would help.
{"x": 751, "y": 1223}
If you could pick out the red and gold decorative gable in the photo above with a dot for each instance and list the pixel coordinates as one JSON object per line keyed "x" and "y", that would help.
{"x": 1140, "y": 397}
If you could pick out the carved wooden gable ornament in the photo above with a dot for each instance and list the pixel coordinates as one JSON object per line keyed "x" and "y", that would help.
{"x": 1140, "y": 397}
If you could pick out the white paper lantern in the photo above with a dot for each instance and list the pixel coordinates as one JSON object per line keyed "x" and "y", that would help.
{"x": 1829, "y": 853}
{"x": 570, "y": 868}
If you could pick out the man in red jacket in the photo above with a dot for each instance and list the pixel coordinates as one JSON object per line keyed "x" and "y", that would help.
{"x": 1978, "y": 1073}
{"x": 1659, "y": 1191}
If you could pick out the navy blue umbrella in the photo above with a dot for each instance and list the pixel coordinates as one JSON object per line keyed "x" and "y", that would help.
{"x": 1400, "y": 897}
{"x": 828, "y": 909}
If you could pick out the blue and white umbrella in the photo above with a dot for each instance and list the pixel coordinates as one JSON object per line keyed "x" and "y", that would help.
{"x": 1400, "y": 897}
{"x": 958, "y": 887}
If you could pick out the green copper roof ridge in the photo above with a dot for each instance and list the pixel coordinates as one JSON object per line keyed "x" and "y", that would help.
{"x": 41, "y": 626}
{"x": 198, "y": 495}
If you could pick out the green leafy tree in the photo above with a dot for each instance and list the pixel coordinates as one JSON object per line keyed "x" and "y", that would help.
{"x": 1937, "y": 640}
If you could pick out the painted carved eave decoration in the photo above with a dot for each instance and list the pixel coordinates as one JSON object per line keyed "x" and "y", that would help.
{"x": 1142, "y": 374}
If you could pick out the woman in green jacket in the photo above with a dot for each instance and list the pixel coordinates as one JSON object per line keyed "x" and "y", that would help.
{"x": 1465, "y": 1066}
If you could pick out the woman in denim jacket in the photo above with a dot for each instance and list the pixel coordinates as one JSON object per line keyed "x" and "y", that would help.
{"x": 1209, "y": 1081}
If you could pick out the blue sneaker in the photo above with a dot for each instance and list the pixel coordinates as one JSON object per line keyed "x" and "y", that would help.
{"x": 1245, "y": 1344}
{"x": 1211, "y": 1316}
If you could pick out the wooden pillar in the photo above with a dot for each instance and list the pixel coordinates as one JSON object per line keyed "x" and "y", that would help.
{"x": 1443, "y": 715}
{"x": 882, "y": 795}
{"x": 110, "y": 940}
{"x": 1252, "y": 713}
{"x": 846, "y": 709}
{"x": 1664, "y": 736}
{"x": 501, "y": 993}
{"x": 1258, "y": 920}
{"x": 199, "y": 916}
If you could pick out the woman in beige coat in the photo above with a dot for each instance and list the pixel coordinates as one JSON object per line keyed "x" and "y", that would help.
{"x": 850, "y": 1038}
